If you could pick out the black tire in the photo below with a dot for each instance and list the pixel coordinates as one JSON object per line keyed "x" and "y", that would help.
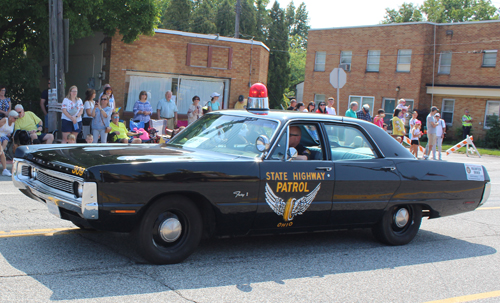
{"x": 393, "y": 232}
{"x": 171, "y": 246}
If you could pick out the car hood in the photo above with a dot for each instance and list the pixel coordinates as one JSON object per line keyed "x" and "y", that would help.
{"x": 66, "y": 157}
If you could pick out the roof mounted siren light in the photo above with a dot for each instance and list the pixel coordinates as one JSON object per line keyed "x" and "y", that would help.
{"x": 258, "y": 102}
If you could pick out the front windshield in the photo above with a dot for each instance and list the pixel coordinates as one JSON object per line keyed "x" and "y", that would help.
{"x": 226, "y": 134}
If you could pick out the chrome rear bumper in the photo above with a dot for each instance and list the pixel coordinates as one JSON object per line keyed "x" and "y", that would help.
{"x": 486, "y": 193}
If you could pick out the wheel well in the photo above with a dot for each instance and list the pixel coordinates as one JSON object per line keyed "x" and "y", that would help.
{"x": 202, "y": 203}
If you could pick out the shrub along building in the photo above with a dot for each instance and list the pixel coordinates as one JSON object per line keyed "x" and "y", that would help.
{"x": 451, "y": 66}
{"x": 188, "y": 64}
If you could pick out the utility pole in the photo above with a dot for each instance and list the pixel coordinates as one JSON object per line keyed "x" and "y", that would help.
{"x": 237, "y": 20}
{"x": 57, "y": 63}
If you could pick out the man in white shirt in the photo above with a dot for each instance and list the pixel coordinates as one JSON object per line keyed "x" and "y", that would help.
{"x": 330, "y": 108}
{"x": 440, "y": 132}
{"x": 167, "y": 109}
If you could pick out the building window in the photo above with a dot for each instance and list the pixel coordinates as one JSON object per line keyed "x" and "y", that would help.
{"x": 346, "y": 58}
{"x": 491, "y": 113}
{"x": 373, "y": 61}
{"x": 404, "y": 60}
{"x": 320, "y": 61}
{"x": 489, "y": 58}
{"x": 444, "y": 63}
{"x": 319, "y": 98}
{"x": 447, "y": 111}
{"x": 362, "y": 100}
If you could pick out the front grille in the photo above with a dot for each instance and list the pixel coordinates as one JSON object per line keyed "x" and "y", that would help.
{"x": 25, "y": 170}
{"x": 60, "y": 184}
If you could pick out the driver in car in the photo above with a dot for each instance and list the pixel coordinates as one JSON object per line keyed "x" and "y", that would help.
{"x": 294, "y": 141}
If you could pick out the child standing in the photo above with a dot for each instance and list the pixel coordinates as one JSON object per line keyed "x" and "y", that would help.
{"x": 379, "y": 118}
{"x": 415, "y": 134}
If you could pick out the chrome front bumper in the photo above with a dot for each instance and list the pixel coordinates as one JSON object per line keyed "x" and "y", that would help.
{"x": 86, "y": 205}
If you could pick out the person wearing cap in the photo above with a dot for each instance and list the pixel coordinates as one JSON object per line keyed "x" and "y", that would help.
{"x": 167, "y": 109}
{"x": 330, "y": 107}
{"x": 466, "y": 124}
{"x": 293, "y": 104}
{"x": 364, "y": 113}
{"x": 431, "y": 132}
{"x": 351, "y": 112}
{"x": 440, "y": 132}
{"x": 214, "y": 104}
{"x": 241, "y": 104}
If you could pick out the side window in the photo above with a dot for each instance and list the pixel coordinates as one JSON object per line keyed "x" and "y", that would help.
{"x": 279, "y": 151}
{"x": 348, "y": 143}
{"x": 305, "y": 138}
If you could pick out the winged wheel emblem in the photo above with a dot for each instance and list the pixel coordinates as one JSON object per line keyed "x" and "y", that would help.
{"x": 292, "y": 207}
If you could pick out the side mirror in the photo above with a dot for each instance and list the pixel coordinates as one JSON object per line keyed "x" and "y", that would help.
{"x": 262, "y": 143}
{"x": 292, "y": 153}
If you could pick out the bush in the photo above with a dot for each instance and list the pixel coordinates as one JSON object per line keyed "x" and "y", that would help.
{"x": 492, "y": 139}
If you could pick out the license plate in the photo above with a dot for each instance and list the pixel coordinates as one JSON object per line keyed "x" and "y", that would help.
{"x": 53, "y": 209}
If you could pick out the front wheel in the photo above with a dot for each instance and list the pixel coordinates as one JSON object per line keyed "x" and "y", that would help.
{"x": 170, "y": 230}
{"x": 399, "y": 225}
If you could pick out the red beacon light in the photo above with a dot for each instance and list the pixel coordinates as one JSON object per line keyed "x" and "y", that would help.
{"x": 258, "y": 101}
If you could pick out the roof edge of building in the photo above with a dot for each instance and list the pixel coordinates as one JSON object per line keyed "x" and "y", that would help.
{"x": 407, "y": 23}
{"x": 462, "y": 86}
{"x": 211, "y": 37}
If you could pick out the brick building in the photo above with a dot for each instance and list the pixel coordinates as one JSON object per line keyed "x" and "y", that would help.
{"x": 188, "y": 64}
{"x": 451, "y": 66}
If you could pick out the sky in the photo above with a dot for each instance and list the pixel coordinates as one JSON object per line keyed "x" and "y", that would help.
{"x": 335, "y": 13}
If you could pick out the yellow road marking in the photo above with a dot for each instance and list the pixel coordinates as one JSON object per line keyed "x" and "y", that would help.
{"x": 493, "y": 207}
{"x": 37, "y": 232}
{"x": 468, "y": 298}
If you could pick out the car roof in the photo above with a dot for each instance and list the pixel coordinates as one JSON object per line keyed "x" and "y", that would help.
{"x": 387, "y": 145}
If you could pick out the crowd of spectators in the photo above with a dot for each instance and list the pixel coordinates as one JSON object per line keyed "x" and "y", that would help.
{"x": 436, "y": 127}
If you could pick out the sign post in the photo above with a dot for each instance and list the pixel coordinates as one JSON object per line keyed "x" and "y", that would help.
{"x": 338, "y": 79}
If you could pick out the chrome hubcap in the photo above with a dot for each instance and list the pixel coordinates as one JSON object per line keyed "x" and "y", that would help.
{"x": 170, "y": 229}
{"x": 401, "y": 217}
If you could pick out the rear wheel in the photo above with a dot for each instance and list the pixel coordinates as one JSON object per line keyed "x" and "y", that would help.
{"x": 399, "y": 225}
{"x": 170, "y": 230}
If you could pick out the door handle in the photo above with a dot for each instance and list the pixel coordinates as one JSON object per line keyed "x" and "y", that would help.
{"x": 324, "y": 168}
{"x": 389, "y": 168}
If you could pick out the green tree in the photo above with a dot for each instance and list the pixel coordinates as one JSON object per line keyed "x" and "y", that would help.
{"x": 24, "y": 34}
{"x": 204, "y": 18}
{"x": 262, "y": 20}
{"x": 279, "y": 70}
{"x": 407, "y": 12}
{"x": 290, "y": 17}
{"x": 445, "y": 11}
{"x": 225, "y": 18}
{"x": 248, "y": 22}
{"x": 178, "y": 15}
{"x": 297, "y": 64}
{"x": 301, "y": 27}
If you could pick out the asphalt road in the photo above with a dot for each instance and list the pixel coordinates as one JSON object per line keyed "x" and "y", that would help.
{"x": 43, "y": 258}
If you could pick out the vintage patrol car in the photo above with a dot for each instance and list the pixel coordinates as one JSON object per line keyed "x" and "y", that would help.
{"x": 237, "y": 173}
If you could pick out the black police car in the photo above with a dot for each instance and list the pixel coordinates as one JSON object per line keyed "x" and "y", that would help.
{"x": 236, "y": 173}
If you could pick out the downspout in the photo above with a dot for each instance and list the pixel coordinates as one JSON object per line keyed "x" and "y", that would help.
{"x": 250, "y": 71}
{"x": 433, "y": 67}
